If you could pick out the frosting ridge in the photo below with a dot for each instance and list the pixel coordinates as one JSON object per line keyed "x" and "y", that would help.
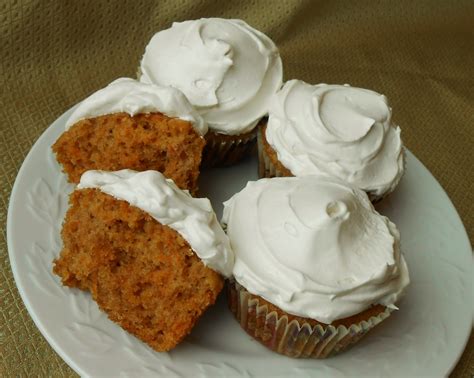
{"x": 193, "y": 218}
{"x": 314, "y": 246}
{"x": 133, "y": 97}
{"x": 227, "y": 69}
{"x": 337, "y": 130}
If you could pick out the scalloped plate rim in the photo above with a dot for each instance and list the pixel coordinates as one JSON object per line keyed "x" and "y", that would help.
{"x": 46, "y": 333}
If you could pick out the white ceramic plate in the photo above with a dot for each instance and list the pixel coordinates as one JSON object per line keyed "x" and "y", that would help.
{"x": 426, "y": 337}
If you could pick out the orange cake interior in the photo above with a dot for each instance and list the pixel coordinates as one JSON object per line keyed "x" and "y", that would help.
{"x": 143, "y": 274}
{"x": 142, "y": 142}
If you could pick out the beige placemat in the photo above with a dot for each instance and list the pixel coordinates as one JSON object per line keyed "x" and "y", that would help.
{"x": 54, "y": 53}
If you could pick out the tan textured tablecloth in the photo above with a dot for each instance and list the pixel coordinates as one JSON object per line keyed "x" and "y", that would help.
{"x": 418, "y": 53}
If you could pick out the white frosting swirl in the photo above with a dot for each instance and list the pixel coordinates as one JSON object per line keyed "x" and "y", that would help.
{"x": 314, "y": 246}
{"x": 337, "y": 130}
{"x": 227, "y": 69}
{"x": 193, "y": 218}
{"x": 133, "y": 97}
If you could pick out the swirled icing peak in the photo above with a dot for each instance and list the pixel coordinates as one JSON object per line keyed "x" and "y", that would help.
{"x": 337, "y": 130}
{"x": 193, "y": 218}
{"x": 227, "y": 69}
{"x": 314, "y": 246}
{"x": 133, "y": 97}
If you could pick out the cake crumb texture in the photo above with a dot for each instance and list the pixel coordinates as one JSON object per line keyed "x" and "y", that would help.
{"x": 142, "y": 142}
{"x": 143, "y": 274}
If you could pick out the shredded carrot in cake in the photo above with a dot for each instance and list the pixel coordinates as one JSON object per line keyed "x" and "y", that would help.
{"x": 142, "y": 142}
{"x": 143, "y": 274}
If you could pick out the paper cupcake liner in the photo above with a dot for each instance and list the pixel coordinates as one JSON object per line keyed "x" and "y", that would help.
{"x": 266, "y": 168}
{"x": 224, "y": 150}
{"x": 292, "y": 338}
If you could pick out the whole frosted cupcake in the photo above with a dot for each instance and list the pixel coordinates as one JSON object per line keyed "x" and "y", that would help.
{"x": 150, "y": 254}
{"x": 316, "y": 267}
{"x": 336, "y": 130}
{"x": 228, "y": 71}
{"x": 132, "y": 125}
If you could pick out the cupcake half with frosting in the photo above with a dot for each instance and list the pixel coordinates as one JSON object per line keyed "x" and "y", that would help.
{"x": 228, "y": 71}
{"x": 316, "y": 267}
{"x": 133, "y": 125}
{"x": 335, "y": 130}
{"x": 152, "y": 256}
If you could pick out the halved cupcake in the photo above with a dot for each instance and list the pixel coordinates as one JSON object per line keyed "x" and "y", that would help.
{"x": 228, "y": 71}
{"x": 132, "y": 125}
{"x": 152, "y": 256}
{"x": 336, "y": 130}
{"x": 316, "y": 267}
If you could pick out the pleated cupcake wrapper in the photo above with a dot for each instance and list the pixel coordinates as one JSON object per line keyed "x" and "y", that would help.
{"x": 290, "y": 337}
{"x": 220, "y": 152}
{"x": 267, "y": 169}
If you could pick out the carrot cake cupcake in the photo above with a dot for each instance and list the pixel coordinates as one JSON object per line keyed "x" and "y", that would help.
{"x": 151, "y": 255}
{"x": 137, "y": 126}
{"x": 316, "y": 267}
{"x": 228, "y": 71}
{"x": 337, "y": 130}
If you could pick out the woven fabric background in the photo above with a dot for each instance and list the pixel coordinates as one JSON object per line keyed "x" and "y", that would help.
{"x": 54, "y": 53}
